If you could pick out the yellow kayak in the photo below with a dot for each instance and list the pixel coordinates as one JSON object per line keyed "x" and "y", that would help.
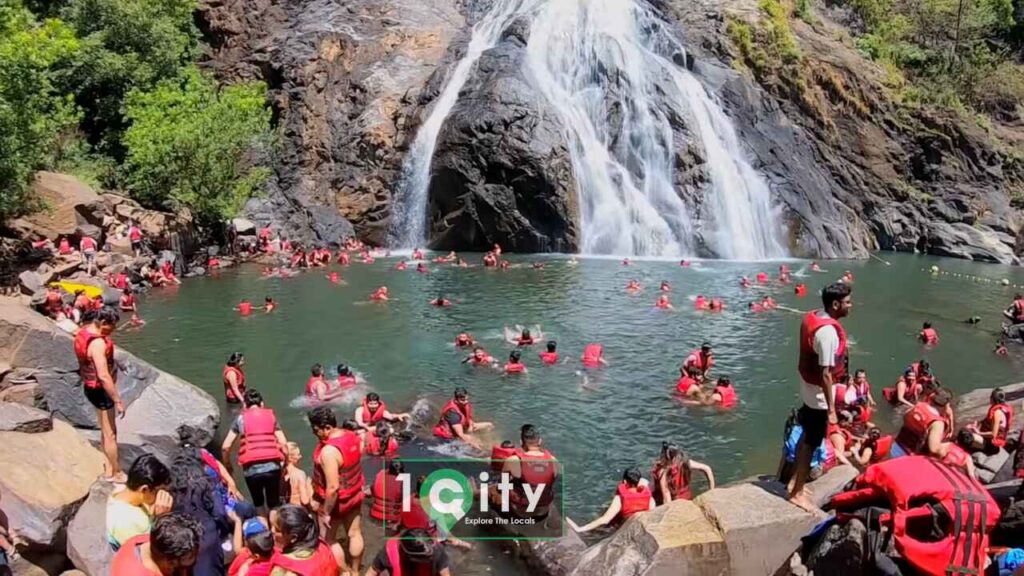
{"x": 72, "y": 287}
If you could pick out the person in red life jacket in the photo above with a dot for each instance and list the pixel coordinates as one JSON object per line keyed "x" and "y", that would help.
{"x": 724, "y": 394}
{"x": 500, "y": 453}
{"x": 928, "y": 336}
{"x": 87, "y": 247}
{"x": 663, "y": 303}
{"x": 127, "y": 304}
{"x": 873, "y": 448}
{"x": 689, "y": 382}
{"x": 374, "y": 411}
{"x": 338, "y": 487}
{"x": 701, "y": 303}
{"x": 755, "y": 307}
{"x": 632, "y": 496}
{"x": 464, "y": 340}
{"x": 417, "y": 254}
{"x": 82, "y": 302}
{"x": 167, "y": 269}
{"x": 170, "y": 549}
{"x": 593, "y": 356}
{"x": 625, "y": 262}
{"x": 94, "y": 350}
{"x": 633, "y": 286}
{"x": 1000, "y": 348}
{"x": 234, "y": 378}
{"x": 344, "y": 259}
{"x": 762, "y": 277}
{"x": 119, "y": 280}
{"x": 990, "y": 433}
{"x": 54, "y": 304}
{"x": 716, "y": 305}
{"x": 784, "y": 277}
{"x": 702, "y": 360}
{"x": 1015, "y": 312}
{"x": 387, "y": 494}
{"x": 815, "y": 267}
{"x": 334, "y": 278}
{"x": 744, "y": 282}
{"x": 821, "y": 362}
{"x": 401, "y": 265}
{"x": 665, "y": 286}
{"x": 135, "y": 237}
{"x": 839, "y": 436}
{"x": 261, "y": 453}
{"x": 97, "y": 302}
{"x": 550, "y": 356}
{"x": 684, "y": 263}
{"x": 672, "y": 473}
{"x": 300, "y": 487}
{"x": 317, "y": 389}
{"x": 382, "y": 442}
{"x": 480, "y": 357}
{"x": 422, "y": 268}
{"x": 380, "y": 294}
{"x": 441, "y": 302}
{"x": 244, "y": 307}
{"x": 504, "y": 265}
{"x": 457, "y": 421}
{"x": 525, "y": 338}
{"x": 367, "y": 258}
{"x": 254, "y": 559}
{"x": 959, "y": 454}
{"x": 413, "y": 553}
{"x": 800, "y": 290}
{"x": 269, "y": 305}
{"x": 298, "y": 548}
{"x": 64, "y": 247}
{"x": 911, "y": 384}
{"x": 768, "y": 303}
{"x": 533, "y": 472}
{"x": 926, "y": 428}
{"x": 515, "y": 364}
{"x": 213, "y": 262}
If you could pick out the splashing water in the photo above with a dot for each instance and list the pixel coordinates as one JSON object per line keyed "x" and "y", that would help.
{"x": 608, "y": 68}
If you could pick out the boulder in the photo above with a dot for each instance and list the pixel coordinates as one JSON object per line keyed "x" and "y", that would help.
{"x": 840, "y": 551}
{"x": 21, "y": 418}
{"x": 244, "y": 226}
{"x": 87, "y": 545}
{"x": 28, "y": 394}
{"x": 39, "y": 510}
{"x": 676, "y": 539}
{"x": 831, "y": 483}
{"x": 62, "y": 194}
{"x": 761, "y": 529}
{"x": 328, "y": 225}
{"x": 553, "y": 557}
{"x": 31, "y": 282}
{"x": 157, "y": 402}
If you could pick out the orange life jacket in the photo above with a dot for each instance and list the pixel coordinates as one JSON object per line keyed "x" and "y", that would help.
{"x": 698, "y": 360}
{"x": 350, "y": 490}
{"x": 592, "y": 355}
{"x": 810, "y": 369}
{"x": 633, "y": 499}
{"x": 678, "y": 481}
{"x": 86, "y": 367}
{"x": 387, "y": 498}
{"x": 311, "y": 386}
{"x": 515, "y": 368}
{"x": 127, "y": 562}
{"x": 371, "y": 418}
{"x": 999, "y": 438}
{"x": 685, "y": 383}
{"x": 245, "y": 308}
{"x": 728, "y": 394}
{"x": 930, "y": 336}
{"x": 259, "y": 444}
{"x": 914, "y": 434}
{"x": 240, "y": 377}
{"x": 321, "y": 563}
{"x": 549, "y": 357}
{"x": 444, "y": 429}
{"x": 537, "y": 471}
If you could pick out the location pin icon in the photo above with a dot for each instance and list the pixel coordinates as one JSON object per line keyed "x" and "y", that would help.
{"x": 448, "y": 497}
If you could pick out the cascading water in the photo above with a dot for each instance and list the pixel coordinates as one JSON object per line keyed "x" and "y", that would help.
{"x": 606, "y": 67}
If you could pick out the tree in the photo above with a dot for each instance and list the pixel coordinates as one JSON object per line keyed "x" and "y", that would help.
{"x": 190, "y": 144}
{"x": 32, "y": 111}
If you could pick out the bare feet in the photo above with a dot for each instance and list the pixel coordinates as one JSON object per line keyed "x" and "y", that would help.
{"x": 800, "y": 500}
{"x": 119, "y": 478}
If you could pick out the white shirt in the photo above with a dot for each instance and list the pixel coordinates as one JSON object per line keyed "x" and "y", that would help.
{"x": 826, "y": 344}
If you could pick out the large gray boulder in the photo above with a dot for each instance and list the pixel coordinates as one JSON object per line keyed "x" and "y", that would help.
{"x": 973, "y": 406}
{"x": 20, "y": 418}
{"x": 157, "y": 402}
{"x": 87, "y": 545}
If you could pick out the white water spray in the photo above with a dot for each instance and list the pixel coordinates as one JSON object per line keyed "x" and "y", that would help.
{"x": 606, "y": 67}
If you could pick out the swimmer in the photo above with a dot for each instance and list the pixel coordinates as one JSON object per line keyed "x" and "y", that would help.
{"x": 244, "y": 307}
{"x": 684, "y": 263}
{"x": 346, "y": 378}
{"x": 480, "y": 357}
{"x": 625, "y": 261}
{"x": 515, "y": 364}
{"x": 417, "y": 254}
{"x": 317, "y": 389}
{"x": 457, "y": 421}
{"x": 847, "y": 277}
{"x": 689, "y": 382}
{"x": 401, "y": 265}
{"x": 762, "y": 277}
{"x": 367, "y": 259}
{"x": 800, "y": 290}
{"x": 633, "y": 286}
{"x": 524, "y": 338}
{"x": 593, "y": 356}
{"x": 665, "y": 286}
{"x": 269, "y": 305}
{"x": 334, "y": 278}
{"x": 490, "y": 260}
{"x": 1000, "y": 349}
{"x": 343, "y": 258}
{"x": 744, "y": 282}
{"x": 815, "y": 267}
{"x": 380, "y": 295}
{"x": 497, "y": 249}
{"x": 769, "y": 303}
{"x": 717, "y": 305}
{"x": 928, "y": 336}
{"x": 550, "y": 356}
{"x": 441, "y": 302}
{"x": 755, "y": 307}
{"x": 663, "y": 303}
{"x": 701, "y": 303}
{"x": 464, "y": 340}
{"x": 504, "y": 265}
{"x": 462, "y": 263}
{"x": 538, "y": 265}
{"x": 374, "y": 411}
{"x": 702, "y": 360}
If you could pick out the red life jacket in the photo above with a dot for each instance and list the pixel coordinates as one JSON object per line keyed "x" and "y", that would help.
{"x": 350, "y": 491}
{"x": 913, "y": 393}
{"x": 82, "y": 302}
{"x": 755, "y": 307}
{"x": 416, "y": 516}
{"x": 373, "y": 446}
{"x": 311, "y": 386}
{"x": 54, "y": 302}
{"x": 698, "y": 360}
{"x": 87, "y": 244}
{"x": 911, "y": 485}
{"x": 499, "y": 455}
{"x": 387, "y": 498}
{"x": 1019, "y": 304}
{"x": 256, "y": 567}
{"x": 684, "y": 384}
{"x": 240, "y": 376}
{"x": 549, "y": 357}
{"x": 762, "y": 277}
{"x": 728, "y": 394}
{"x": 444, "y": 429}
{"x": 717, "y": 304}
{"x": 801, "y": 290}
{"x": 592, "y": 355}
{"x": 64, "y": 247}
{"x": 371, "y": 418}
{"x": 259, "y": 444}
{"x": 346, "y": 381}
{"x": 662, "y": 303}
{"x": 956, "y": 456}
{"x": 321, "y": 563}
{"x": 633, "y": 500}
{"x": 999, "y": 438}
{"x": 515, "y": 368}
{"x": 810, "y": 369}
{"x": 880, "y": 448}
{"x": 134, "y": 234}
{"x": 914, "y": 433}
{"x": 930, "y": 336}
{"x": 127, "y": 561}
{"x": 700, "y": 303}
{"x": 245, "y": 308}
{"x": 536, "y": 471}
{"x": 127, "y": 302}
{"x": 393, "y": 551}
{"x": 86, "y": 367}
{"x": 121, "y": 281}
{"x": 678, "y": 482}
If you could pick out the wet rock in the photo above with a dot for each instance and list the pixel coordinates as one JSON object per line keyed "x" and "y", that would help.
{"x": 840, "y": 551}
{"x": 87, "y": 545}
{"x": 761, "y": 530}
{"x": 41, "y": 510}
{"x": 672, "y": 539}
{"x": 831, "y": 483}
{"x": 554, "y": 557}
{"x": 21, "y": 418}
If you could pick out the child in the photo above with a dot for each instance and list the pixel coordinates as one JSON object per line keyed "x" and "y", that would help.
{"x": 299, "y": 484}
{"x": 254, "y": 559}
{"x": 269, "y": 304}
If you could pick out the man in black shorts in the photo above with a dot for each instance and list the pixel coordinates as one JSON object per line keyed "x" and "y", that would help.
{"x": 261, "y": 455}
{"x": 95, "y": 352}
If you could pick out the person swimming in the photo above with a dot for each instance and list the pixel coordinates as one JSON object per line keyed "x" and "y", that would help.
{"x": 380, "y": 295}
{"x": 701, "y": 303}
{"x": 593, "y": 356}
{"x": 346, "y": 378}
{"x": 755, "y": 307}
{"x": 928, "y": 336}
{"x": 480, "y": 357}
{"x": 422, "y": 268}
{"x": 343, "y": 258}
{"x": 401, "y": 265}
{"x": 689, "y": 382}
{"x": 550, "y": 356}
{"x": 464, "y": 340}
{"x": 633, "y": 286}
{"x": 268, "y": 304}
{"x": 441, "y": 302}
{"x": 663, "y": 303}
{"x": 768, "y": 303}
{"x": 538, "y": 265}
{"x": 744, "y": 282}
{"x": 515, "y": 364}
{"x": 417, "y": 254}
{"x": 1000, "y": 349}
{"x": 800, "y": 290}
{"x": 665, "y": 286}
{"x": 525, "y": 338}
{"x": 762, "y": 277}
{"x": 716, "y": 305}
{"x": 244, "y": 307}
{"x": 334, "y": 278}
{"x": 625, "y": 262}
{"x": 815, "y": 267}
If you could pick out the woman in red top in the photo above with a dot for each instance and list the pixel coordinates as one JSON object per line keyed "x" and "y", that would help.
{"x": 672, "y": 474}
{"x": 632, "y": 496}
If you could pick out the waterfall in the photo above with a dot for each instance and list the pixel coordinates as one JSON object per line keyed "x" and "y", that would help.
{"x": 409, "y": 223}
{"x": 609, "y": 70}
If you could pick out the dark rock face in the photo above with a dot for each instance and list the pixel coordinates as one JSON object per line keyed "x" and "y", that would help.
{"x": 501, "y": 171}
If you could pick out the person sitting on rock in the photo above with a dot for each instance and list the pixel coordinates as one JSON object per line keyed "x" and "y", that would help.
{"x": 632, "y": 496}
{"x": 170, "y": 548}
{"x": 131, "y": 511}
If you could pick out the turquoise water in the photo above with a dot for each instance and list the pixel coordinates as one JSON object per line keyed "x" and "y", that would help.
{"x": 619, "y": 416}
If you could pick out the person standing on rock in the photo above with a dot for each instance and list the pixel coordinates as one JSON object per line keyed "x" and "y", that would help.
{"x": 261, "y": 452}
{"x": 95, "y": 352}
{"x": 822, "y": 362}
{"x": 87, "y": 247}
{"x": 135, "y": 237}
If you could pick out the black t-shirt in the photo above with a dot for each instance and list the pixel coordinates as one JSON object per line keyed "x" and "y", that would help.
{"x": 453, "y": 417}
{"x": 440, "y": 561}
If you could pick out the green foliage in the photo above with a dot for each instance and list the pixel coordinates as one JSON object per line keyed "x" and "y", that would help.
{"x": 779, "y": 35}
{"x": 804, "y": 10}
{"x": 33, "y": 112}
{"x": 187, "y": 143}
